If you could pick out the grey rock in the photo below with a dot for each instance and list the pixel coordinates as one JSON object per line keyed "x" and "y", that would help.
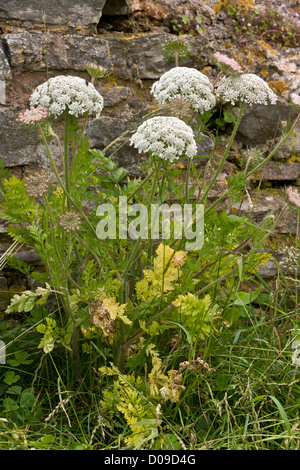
{"x": 28, "y": 51}
{"x": 58, "y": 12}
{"x": 274, "y": 171}
{"x": 261, "y": 122}
{"x": 17, "y": 144}
{"x": 263, "y": 203}
{"x": 141, "y": 51}
{"x": 30, "y": 257}
{"x": 105, "y": 130}
{"x": 113, "y": 95}
{"x": 268, "y": 270}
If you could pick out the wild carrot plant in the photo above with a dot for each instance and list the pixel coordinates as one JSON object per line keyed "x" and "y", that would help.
{"x": 133, "y": 314}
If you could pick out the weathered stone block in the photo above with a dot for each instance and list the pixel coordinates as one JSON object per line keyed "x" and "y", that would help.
{"x": 30, "y": 52}
{"x": 105, "y": 130}
{"x": 138, "y": 50}
{"x": 17, "y": 144}
{"x": 261, "y": 122}
{"x": 274, "y": 171}
{"x": 60, "y": 12}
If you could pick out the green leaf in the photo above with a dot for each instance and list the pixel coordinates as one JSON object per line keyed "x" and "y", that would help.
{"x": 11, "y": 378}
{"x": 185, "y": 19}
{"x": 241, "y": 220}
{"x": 229, "y": 117}
{"x": 21, "y": 357}
{"x": 27, "y": 400}
{"x": 14, "y": 390}
{"x": 47, "y": 439}
{"x": 245, "y": 298}
{"x": 283, "y": 414}
{"x": 10, "y": 404}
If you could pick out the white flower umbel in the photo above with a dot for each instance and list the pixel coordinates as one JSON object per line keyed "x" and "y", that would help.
{"x": 187, "y": 83}
{"x": 67, "y": 92}
{"x": 247, "y": 87}
{"x": 168, "y": 138}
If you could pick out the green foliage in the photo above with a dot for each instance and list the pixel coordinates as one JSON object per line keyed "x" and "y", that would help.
{"x": 18, "y": 206}
{"x": 53, "y": 334}
{"x": 196, "y": 314}
{"x": 187, "y": 25}
{"x": 28, "y": 300}
{"x": 275, "y": 23}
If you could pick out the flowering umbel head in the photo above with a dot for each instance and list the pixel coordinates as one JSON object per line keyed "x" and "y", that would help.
{"x": 69, "y": 221}
{"x": 248, "y": 88}
{"x": 168, "y": 138}
{"x": 68, "y": 93}
{"x": 187, "y": 83}
{"x": 36, "y": 185}
{"x": 33, "y": 115}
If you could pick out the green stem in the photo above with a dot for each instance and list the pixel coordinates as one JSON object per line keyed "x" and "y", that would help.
{"x": 61, "y": 183}
{"x": 66, "y": 156}
{"x": 225, "y": 153}
{"x": 73, "y": 164}
{"x": 188, "y": 171}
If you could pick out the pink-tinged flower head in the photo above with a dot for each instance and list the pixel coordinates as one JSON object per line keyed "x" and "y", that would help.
{"x": 36, "y": 185}
{"x": 226, "y": 64}
{"x": 70, "y": 221}
{"x": 33, "y": 115}
{"x": 293, "y": 196}
{"x": 295, "y": 99}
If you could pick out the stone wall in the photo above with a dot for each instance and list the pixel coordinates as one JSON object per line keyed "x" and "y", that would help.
{"x": 44, "y": 38}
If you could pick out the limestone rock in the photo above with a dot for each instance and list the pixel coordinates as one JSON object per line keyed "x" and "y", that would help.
{"x": 75, "y": 12}
{"x": 28, "y": 51}
{"x": 261, "y": 122}
{"x": 140, "y": 50}
{"x": 17, "y": 144}
{"x": 113, "y": 95}
{"x": 103, "y": 131}
{"x": 275, "y": 171}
